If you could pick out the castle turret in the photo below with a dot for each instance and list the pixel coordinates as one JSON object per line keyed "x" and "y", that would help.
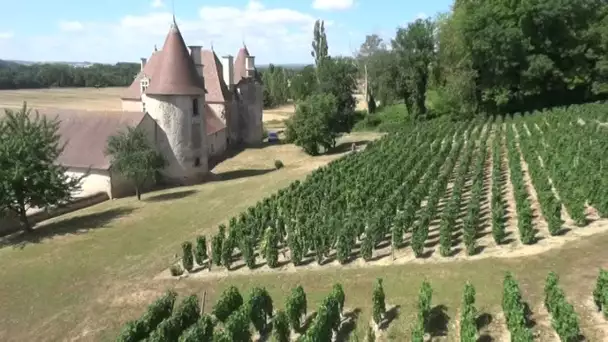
{"x": 175, "y": 99}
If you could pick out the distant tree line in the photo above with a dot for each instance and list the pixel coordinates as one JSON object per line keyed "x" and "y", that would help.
{"x": 276, "y": 85}
{"x": 19, "y": 76}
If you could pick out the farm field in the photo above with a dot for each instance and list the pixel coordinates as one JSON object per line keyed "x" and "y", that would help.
{"x": 524, "y": 195}
{"x": 94, "y": 100}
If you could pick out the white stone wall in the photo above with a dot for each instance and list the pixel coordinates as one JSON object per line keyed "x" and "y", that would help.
{"x": 216, "y": 143}
{"x": 229, "y": 118}
{"x": 217, "y": 109}
{"x": 95, "y": 181}
{"x": 176, "y": 124}
{"x": 250, "y": 112}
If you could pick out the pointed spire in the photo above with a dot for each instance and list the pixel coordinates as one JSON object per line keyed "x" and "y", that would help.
{"x": 155, "y": 48}
{"x": 176, "y": 73}
{"x": 173, "y": 12}
{"x": 212, "y": 46}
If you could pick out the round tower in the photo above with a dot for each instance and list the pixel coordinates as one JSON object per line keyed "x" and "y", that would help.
{"x": 175, "y": 99}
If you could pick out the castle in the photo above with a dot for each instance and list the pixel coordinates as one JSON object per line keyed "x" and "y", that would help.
{"x": 191, "y": 106}
{"x": 200, "y": 105}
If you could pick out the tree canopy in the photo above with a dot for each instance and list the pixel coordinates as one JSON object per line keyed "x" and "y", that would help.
{"x": 133, "y": 157}
{"x": 29, "y": 174}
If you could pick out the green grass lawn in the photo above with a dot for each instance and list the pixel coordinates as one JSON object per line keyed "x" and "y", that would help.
{"x": 92, "y": 270}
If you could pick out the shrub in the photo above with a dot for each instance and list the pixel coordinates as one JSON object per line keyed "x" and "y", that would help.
{"x": 278, "y": 164}
{"x": 424, "y": 304}
{"x": 216, "y": 250}
{"x": 378, "y": 302}
{"x": 338, "y": 293}
{"x": 185, "y": 315}
{"x": 200, "y": 253}
{"x": 187, "y": 259}
{"x": 600, "y": 292}
{"x": 237, "y": 325}
{"x": 230, "y": 300}
{"x": 367, "y": 246}
{"x": 296, "y": 307}
{"x": 227, "y": 249}
{"x": 280, "y": 327}
{"x": 564, "y": 319}
{"x": 201, "y": 331}
{"x": 247, "y": 249}
{"x": 468, "y": 325}
{"x": 157, "y": 312}
{"x": 221, "y": 336}
{"x": 176, "y": 270}
{"x": 260, "y": 308}
{"x": 271, "y": 250}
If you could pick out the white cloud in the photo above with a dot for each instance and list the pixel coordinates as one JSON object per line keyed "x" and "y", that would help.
{"x": 421, "y": 15}
{"x": 273, "y": 34}
{"x": 70, "y": 26}
{"x": 6, "y": 35}
{"x": 328, "y": 5}
{"x": 157, "y": 4}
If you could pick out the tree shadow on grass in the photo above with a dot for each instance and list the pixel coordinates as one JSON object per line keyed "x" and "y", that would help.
{"x": 348, "y": 324}
{"x": 236, "y": 174}
{"x": 390, "y": 315}
{"x": 73, "y": 225}
{"x": 438, "y": 321}
{"x": 170, "y": 196}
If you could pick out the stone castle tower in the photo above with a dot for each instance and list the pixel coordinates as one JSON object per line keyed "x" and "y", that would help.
{"x": 175, "y": 98}
{"x": 198, "y": 105}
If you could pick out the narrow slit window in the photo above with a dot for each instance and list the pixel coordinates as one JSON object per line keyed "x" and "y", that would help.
{"x": 194, "y": 107}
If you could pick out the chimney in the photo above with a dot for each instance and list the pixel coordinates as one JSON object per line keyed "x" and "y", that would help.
{"x": 250, "y": 66}
{"x": 228, "y": 70}
{"x": 195, "y": 53}
{"x": 143, "y": 63}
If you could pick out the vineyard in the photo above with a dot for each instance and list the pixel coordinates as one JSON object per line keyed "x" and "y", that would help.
{"x": 232, "y": 316}
{"x": 440, "y": 191}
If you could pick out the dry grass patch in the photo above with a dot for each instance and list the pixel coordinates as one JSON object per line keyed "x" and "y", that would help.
{"x": 64, "y": 98}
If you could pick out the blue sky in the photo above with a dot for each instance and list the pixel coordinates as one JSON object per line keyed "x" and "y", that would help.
{"x": 124, "y": 30}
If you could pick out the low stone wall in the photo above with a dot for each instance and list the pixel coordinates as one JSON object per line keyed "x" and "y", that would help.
{"x": 10, "y": 224}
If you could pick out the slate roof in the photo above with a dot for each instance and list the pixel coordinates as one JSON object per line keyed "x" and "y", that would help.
{"x": 217, "y": 90}
{"x": 175, "y": 72}
{"x": 240, "y": 70}
{"x": 84, "y": 134}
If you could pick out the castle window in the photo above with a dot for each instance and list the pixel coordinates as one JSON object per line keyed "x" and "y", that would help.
{"x": 145, "y": 82}
{"x": 197, "y": 162}
{"x": 194, "y": 107}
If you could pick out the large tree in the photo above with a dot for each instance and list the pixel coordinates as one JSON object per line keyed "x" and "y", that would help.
{"x": 338, "y": 76}
{"x": 320, "y": 49}
{"x": 29, "y": 173}
{"x": 531, "y": 54}
{"x": 303, "y": 83}
{"x": 276, "y": 87}
{"x": 133, "y": 157}
{"x": 415, "y": 46}
{"x": 311, "y": 125}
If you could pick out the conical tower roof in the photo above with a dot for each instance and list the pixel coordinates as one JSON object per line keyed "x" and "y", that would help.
{"x": 176, "y": 73}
